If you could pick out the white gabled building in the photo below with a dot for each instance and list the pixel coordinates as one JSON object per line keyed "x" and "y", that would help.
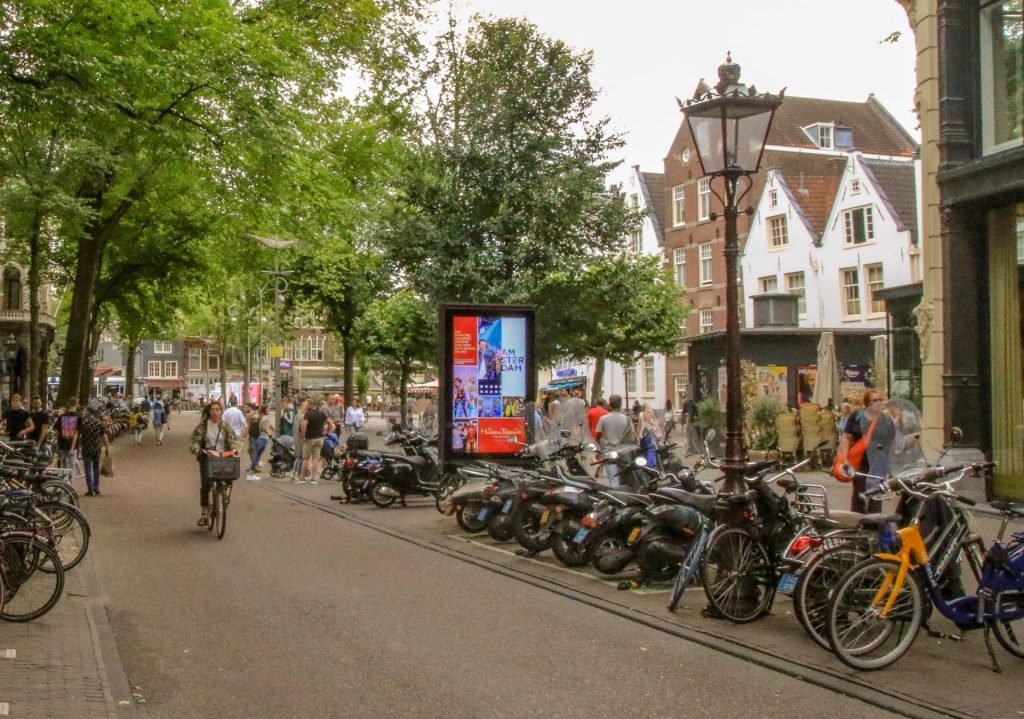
{"x": 834, "y": 237}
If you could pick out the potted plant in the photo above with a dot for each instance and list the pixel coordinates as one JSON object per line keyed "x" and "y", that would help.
{"x": 764, "y": 435}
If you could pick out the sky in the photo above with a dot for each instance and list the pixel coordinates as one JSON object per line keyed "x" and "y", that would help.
{"x": 647, "y": 52}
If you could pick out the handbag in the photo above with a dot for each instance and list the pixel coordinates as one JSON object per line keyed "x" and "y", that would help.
{"x": 854, "y": 454}
{"x": 106, "y": 465}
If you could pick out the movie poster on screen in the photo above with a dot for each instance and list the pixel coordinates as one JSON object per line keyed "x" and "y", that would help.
{"x": 806, "y": 377}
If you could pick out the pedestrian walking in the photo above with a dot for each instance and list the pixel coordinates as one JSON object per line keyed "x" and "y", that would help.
{"x": 313, "y": 427}
{"x": 235, "y": 419}
{"x": 286, "y": 422}
{"x": 212, "y": 437}
{"x": 873, "y": 422}
{"x": 264, "y": 432}
{"x": 355, "y": 417}
{"x": 40, "y": 422}
{"x": 615, "y": 432}
{"x": 300, "y": 413}
{"x": 158, "y": 420}
{"x": 649, "y": 431}
{"x": 136, "y": 423}
{"x": 92, "y": 440}
{"x": 17, "y": 419}
{"x": 67, "y": 434}
{"x": 595, "y": 413}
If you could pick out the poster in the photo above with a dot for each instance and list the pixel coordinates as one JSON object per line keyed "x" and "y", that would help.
{"x": 806, "y": 377}
{"x": 853, "y": 380}
{"x": 773, "y": 381}
{"x": 489, "y": 385}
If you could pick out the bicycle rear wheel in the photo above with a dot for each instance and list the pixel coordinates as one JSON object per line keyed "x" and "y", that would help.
{"x": 857, "y": 632}
{"x": 1009, "y": 631}
{"x": 814, "y": 588}
{"x": 71, "y": 532}
{"x": 220, "y": 516}
{"x": 31, "y": 572}
{"x": 738, "y": 575}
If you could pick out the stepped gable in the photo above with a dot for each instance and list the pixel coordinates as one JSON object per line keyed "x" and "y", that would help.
{"x": 875, "y": 131}
{"x": 898, "y": 188}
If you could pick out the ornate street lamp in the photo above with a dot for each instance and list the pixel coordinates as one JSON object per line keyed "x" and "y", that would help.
{"x": 730, "y": 127}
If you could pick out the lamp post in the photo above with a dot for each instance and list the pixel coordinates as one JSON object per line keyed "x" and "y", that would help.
{"x": 730, "y": 127}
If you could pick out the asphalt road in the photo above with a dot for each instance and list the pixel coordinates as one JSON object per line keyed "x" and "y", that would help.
{"x": 308, "y": 609}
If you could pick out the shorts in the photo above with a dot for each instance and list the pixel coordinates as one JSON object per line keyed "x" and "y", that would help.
{"x": 311, "y": 448}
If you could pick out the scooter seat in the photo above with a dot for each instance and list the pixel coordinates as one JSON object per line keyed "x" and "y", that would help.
{"x": 704, "y": 503}
{"x": 626, "y": 497}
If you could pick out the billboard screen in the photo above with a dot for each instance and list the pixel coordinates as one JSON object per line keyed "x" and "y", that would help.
{"x": 490, "y": 382}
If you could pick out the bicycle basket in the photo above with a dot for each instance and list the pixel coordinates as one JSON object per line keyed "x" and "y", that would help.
{"x": 220, "y": 469}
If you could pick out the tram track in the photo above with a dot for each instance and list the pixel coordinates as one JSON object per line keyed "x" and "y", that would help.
{"x": 850, "y": 686}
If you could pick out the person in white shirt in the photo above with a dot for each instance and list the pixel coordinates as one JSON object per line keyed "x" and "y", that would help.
{"x": 235, "y": 419}
{"x": 354, "y": 417}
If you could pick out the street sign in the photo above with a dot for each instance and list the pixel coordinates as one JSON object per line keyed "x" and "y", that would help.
{"x": 284, "y": 364}
{"x": 275, "y": 351}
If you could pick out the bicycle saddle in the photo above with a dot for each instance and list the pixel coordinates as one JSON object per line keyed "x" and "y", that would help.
{"x": 1008, "y": 508}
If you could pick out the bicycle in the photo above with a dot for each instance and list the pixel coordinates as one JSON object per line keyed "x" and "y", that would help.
{"x": 221, "y": 471}
{"x": 879, "y": 605}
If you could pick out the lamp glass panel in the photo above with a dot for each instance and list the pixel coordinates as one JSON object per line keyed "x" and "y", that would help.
{"x": 749, "y": 136}
{"x": 707, "y": 134}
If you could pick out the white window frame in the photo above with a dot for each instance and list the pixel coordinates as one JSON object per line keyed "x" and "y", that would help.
{"x": 826, "y": 137}
{"x": 875, "y": 307}
{"x": 680, "y": 385}
{"x": 707, "y": 267}
{"x": 799, "y": 289}
{"x": 171, "y": 368}
{"x": 854, "y": 187}
{"x": 679, "y": 266}
{"x": 703, "y": 199}
{"x": 707, "y": 321}
{"x": 778, "y": 232}
{"x": 162, "y": 347}
{"x": 195, "y": 359}
{"x": 678, "y": 205}
{"x": 637, "y": 240}
{"x": 649, "y": 377}
{"x": 630, "y": 374}
{"x": 153, "y": 368}
{"x": 988, "y": 70}
{"x": 848, "y": 226}
{"x": 849, "y": 280}
{"x": 773, "y": 198}
{"x": 768, "y": 284}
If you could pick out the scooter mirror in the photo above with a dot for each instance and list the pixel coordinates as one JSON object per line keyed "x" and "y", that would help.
{"x": 589, "y": 447}
{"x": 847, "y": 470}
{"x": 611, "y": 455}
{"x": 710, "y": 436}
{"x": 640, "y": 461}
{"x": 956, "y": 435}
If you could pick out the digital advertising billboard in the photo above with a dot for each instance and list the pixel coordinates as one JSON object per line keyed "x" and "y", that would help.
{"x": 489, "y": 381}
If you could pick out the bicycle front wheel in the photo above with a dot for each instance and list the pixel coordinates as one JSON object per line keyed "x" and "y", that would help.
{"x": 814, "y": 588}
{"x": 32, "y": 575}
{"x": 220, "y": 509}
{"x": 738, "y": 576}
{"x": 70, "y": 530}
{"x": 1009, "y": 623}
{"x": 857, "y": 632}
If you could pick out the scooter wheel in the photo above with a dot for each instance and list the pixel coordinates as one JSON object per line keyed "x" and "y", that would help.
{"x": 379, "y": 497}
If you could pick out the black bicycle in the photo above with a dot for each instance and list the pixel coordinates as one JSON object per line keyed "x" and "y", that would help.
{"x": 222, "y": 472}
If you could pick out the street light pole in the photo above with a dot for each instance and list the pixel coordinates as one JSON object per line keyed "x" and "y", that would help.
{"x": 730, "y": 128}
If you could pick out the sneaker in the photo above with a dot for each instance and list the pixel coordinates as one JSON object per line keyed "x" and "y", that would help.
{"x": 253, "y": 477}
{"x": 313, "y": 481}
{"x": 89, "y": 493}
{"x": 95, "y": 492}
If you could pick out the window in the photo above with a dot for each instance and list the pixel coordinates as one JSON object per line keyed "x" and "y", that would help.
{"x": 859, "y": 225}
{"x": 153, "y": 368}
{"x": 634, "y": 201}
{"x": 854, "y": 187}
{"x": 706, "y": 322}
{"x": 636, "y": 240}
{"x": 679, "y": 383}
{"x": 678, "y": 205}
{"x": 705, "y": 263}
{"x": 170, "y": 369}
{"x": 195, "y": 359}
{"x": 679, "y": 265}
{"x": 704, "y": 198}
{"x": 796, "y": 285}
{"x": 213, "y": 362}
{"x": 768, "y": 284}
{"x": 851, "y": 292}
{"x": 1002, "y": 74}
{"x": 773, "y": 198}
{"x": 844, "y": 138}
{"x": 648, "y": 363}
{"x": 630, "y": 374}
{"x": 12, "y": 289}
{"x": 309, "y": 349}
{"x": 825, "y": 137}
{"x": 778, "y": 233}
{"x": 161, "y": 347}
{"x": 685, "y": 155}
{"x": 876, "y": 281}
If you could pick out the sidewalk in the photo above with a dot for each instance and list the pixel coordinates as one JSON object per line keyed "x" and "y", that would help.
{"x": 65, "y": 664}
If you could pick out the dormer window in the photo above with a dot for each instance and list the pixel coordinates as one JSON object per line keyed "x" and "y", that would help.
{"x": 844, "y": 138}
{"x": 821, "y": 135}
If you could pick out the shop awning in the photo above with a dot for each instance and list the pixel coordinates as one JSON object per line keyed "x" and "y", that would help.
{"x": 563, "y": 383}
{"x": 169, "y": 383}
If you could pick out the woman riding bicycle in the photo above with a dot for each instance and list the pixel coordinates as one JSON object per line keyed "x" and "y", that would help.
{"x": 212, "y": 437}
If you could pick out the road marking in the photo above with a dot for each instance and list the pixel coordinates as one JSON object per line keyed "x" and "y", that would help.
{"x": 9, "y": 654}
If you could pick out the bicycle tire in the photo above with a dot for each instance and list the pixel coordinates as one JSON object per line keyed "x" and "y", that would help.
{"x": 814, "y": 588}
{"x": 858, "y": 636}
{"x": 738, "y": 575}
{"x": 688, "y": 570}
{"x": 30, "y": 590}
{"x": 71, "y": 532}
{"x": 1010, "y": 632}
{"x": 57, "y": 491}
{"x": 220, "y": 517}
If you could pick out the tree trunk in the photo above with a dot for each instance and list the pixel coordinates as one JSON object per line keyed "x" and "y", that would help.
{"x": 348, "y": 363}
{"x": 92, "y": 344}
{"x": 404, "y": 372}
{"x": 34, "y": 273}
{"x": 223, "y": 371}
{"x": 129, "y": 369}
{"x": 597, "y": 388}
{"x": 77, "y": 338}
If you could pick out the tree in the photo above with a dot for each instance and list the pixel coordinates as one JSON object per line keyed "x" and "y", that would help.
{"x": 504, "y": 182}
{"x": 401, "y": 331}
{"x": 624, "y": 306}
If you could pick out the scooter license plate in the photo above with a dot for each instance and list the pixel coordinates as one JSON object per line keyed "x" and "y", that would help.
{"x": 505, "y": 508}
{"x": 787, "y": 583}
{"x": 483, "y": 514}
{"x": 633, "y": 536}
{"x": 544, "y": 517}
{"x": 449, "y": 510}
{"x": 581, "y": 535}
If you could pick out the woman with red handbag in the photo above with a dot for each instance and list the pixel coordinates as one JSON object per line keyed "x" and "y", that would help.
{"x": 874, "y": 430}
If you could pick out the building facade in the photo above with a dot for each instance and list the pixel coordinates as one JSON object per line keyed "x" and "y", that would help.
{"x": 16, "y": 327}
